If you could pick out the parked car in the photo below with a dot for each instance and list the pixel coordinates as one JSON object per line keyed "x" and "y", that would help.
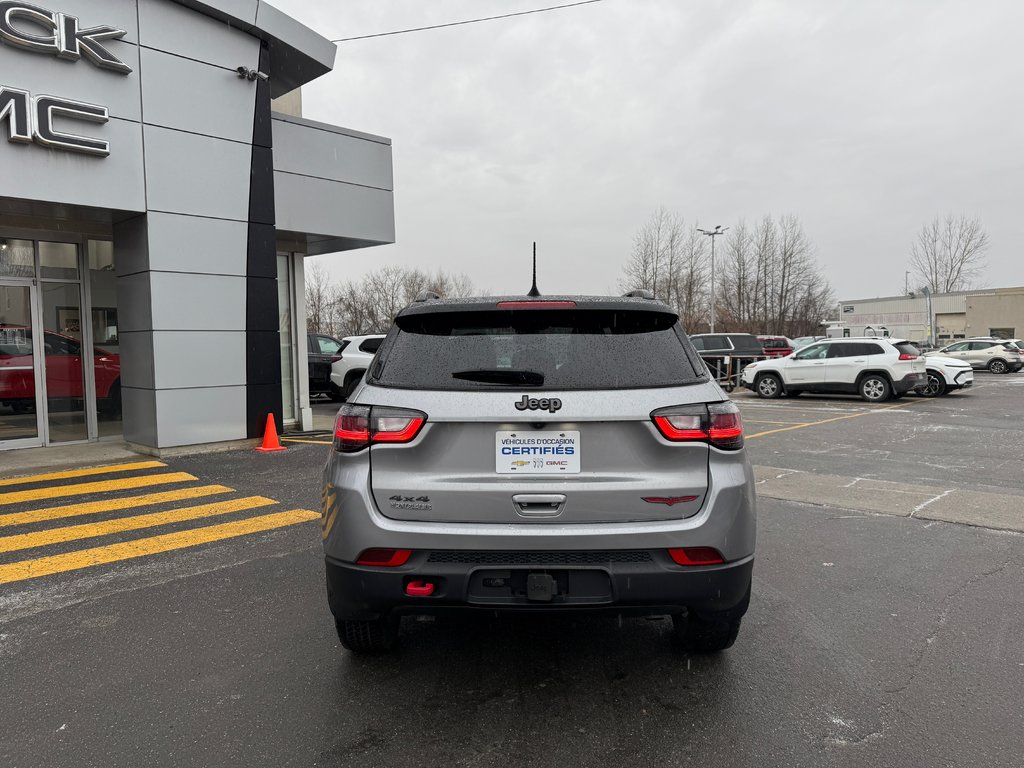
{"x": 982, "y": 354}
{"x": 727, "y": 344}
{"x": 802, "y": 341}
{"x": 321, "y": 351}
{"x": 874, "y": 368}
{"x": 776, "y": 346}
{"x": 547, "y": 455}
{"x": 63, "y": 370}
{"x": 945, "y": 374}
{"x": 351, "y": 363}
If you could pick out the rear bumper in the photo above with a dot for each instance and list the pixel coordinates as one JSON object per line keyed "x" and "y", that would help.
{"x": 635, "y": 586}
{"x": 909, "y": 382}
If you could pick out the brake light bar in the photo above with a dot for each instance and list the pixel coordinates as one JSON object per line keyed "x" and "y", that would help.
{"x": 717, "y": 424}
{"x": 536, "y": 304}
{"x": 360, "y": 426}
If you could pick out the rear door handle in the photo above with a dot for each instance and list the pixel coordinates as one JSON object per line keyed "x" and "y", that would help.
{"x": 538, "y": 504}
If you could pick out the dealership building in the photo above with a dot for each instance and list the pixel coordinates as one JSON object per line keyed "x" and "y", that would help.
{"x": 946, "y": 316}
{"x": 159, "y": 191}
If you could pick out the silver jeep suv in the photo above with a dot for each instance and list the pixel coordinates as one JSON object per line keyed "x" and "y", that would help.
{"x": 551, "y": 454}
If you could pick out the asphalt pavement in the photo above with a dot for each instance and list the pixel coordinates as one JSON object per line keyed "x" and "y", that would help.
{"x": 876, "y": 635}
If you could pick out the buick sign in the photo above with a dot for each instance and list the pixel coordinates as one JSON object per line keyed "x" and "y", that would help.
{"x": 30, "y": 119}
{"x": 62, "y": 37}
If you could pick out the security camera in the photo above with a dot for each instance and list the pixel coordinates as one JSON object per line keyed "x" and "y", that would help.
{"x": 243, "y": 71}
{"x": 262, "y": 76}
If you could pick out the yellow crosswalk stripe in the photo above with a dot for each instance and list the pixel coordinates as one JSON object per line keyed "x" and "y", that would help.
{"x": 70, "y": 561}
{"x": 79, "y": 489}
{"x": 110, "y": 505}
{"x": 133, "y": 523}
{"x": 85, "y": 472}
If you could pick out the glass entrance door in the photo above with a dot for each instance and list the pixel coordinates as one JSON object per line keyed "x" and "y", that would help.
{"x": 20, "y": 394}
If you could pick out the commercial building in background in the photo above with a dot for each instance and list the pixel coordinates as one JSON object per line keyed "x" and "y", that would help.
{"x": 155, "y": 212}
{"x": 959, "y": 315}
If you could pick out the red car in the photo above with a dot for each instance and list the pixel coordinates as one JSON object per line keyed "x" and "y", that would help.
{"x": 63, "y": 366}
{"x": 776, "y": 346}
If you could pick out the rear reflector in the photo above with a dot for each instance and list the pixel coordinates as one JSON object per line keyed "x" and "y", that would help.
{"x": 536, "y": 304}
{"x": 696, "y": 556}
{"x": 384, "y": 558}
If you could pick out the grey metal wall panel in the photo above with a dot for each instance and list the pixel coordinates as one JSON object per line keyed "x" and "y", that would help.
{"x": 80, "y": 81}
{"x": 173, "y": 28}
{"x": 316, "y": 206}
{"x": 185, "y": 359}
{"x": 134, "y": 302}
{"x": 191, "y": 416}
{"x": 197, "y": 175}
{"x": 131, "y": 246}
{"x": 196, "y": 244}
{"x": 183, "y": 302}
{"x": 312, "y": 151}
{"x": 200, "y": 98}
{"x": 242, "y": 10}
{"x": 139, "y": 412}
{"x": 137, "y": 359}
{"x": 31, "y": 172}
{"x": 296, "y": 35}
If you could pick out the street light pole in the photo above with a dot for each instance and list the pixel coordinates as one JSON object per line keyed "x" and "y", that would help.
{"x": 713, "y": 233}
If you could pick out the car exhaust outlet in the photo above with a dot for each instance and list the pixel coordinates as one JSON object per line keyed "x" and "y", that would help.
{"x": 419, "y": 588}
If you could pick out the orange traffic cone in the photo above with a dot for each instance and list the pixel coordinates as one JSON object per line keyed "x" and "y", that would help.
{"x": 270, "y": 441}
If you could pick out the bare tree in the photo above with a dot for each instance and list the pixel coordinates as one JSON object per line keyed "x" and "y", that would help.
{"x": 369, "y": 305}
{"x": 949, "y": 253}
{"x": 319, "y": 300}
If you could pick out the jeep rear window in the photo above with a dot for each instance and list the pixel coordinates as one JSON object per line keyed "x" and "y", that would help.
{"x": 573, "y": 349}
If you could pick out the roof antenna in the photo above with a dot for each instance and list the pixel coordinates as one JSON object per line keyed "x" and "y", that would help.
{"x": 533, "y": 288}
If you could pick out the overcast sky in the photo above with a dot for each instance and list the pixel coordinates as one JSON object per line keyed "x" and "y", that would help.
{"x": 863, "y": 118}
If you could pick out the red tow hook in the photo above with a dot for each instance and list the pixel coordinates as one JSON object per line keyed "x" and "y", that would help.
{"x": 419, "y": 589}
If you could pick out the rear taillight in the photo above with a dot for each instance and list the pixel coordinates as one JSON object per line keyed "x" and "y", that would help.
{"x": 696, "y": 556}
{"x": 384, "y": 558}
{"x": 360, "y": 426}
{"x": 335, "y": 358}
{"x": 907, "y": 356}
{"x": 718, "y": 424}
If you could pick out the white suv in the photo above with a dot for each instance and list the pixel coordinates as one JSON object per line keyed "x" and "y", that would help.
{"x": 874, "y": 368}
{"x": 351, "y": 363}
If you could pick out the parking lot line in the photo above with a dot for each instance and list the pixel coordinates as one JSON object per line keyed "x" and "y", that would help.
{"x": 761, "y": 421}
{"x": 828, "y": 421}
{"x": 110, "y": 505}
{"x": 133, "y": 523}
{"x": 299, "y": 440}
{"x": 70, "y": 561}
{"x": 80, "y": 489}
{"x": 85, "y": 472}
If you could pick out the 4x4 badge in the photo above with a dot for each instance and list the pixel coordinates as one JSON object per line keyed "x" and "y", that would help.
{"x": 550, "y": 404}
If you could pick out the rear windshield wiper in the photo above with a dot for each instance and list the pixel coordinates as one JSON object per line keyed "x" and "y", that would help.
{"x": 502, "y": 376}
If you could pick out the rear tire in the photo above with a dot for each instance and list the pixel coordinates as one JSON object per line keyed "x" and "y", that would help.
{"x": 998, "y": 366}
{"x": 769, "y": 386}
{"x": 335, "y": 394}
{"x": 875, "y": 388}
{"x": 705, "y": 635}
{"x": 351, "y": 383}
{"x": 368, "y": 636}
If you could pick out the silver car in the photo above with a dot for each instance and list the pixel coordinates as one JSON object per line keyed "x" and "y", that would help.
{"x": 525, "y": 454}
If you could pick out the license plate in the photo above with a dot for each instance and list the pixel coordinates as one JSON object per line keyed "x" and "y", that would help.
{"x": 537, "y": 453}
